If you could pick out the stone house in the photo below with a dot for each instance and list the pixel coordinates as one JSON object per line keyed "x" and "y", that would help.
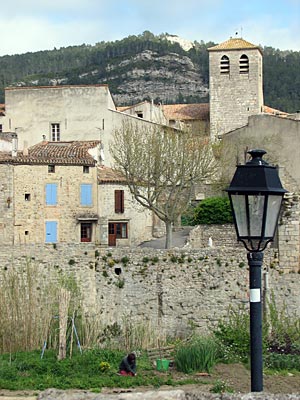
{"x": 64, "y": 113}
{"x": 49, "y": 193}
{"x": 178, "y": 116}
{"x": 55, "y": 192}
{"x": 123, "y": 221}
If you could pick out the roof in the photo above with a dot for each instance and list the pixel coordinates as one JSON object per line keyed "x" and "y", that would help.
{"x": 64, "y": 153}
{"x": 273, "y": 111}
{"x": 184, "y": 112}
{"x": 234, "y": 44}
{"x": 55, "y": 86}
{"x": 109, "y": 175}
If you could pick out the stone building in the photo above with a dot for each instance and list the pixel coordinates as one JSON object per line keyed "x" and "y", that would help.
{"x": 64, "y": 113}
{"x": 123, "y": 221}
{"x": 235, "y": 85}
{"x": 56, "y": 192}
{"x": 49, "y": 193}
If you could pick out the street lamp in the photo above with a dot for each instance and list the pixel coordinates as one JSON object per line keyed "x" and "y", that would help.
{"x": 255, "y": 194}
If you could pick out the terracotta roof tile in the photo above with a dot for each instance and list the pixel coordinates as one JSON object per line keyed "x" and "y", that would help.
{"x": 273, "y": 111}
{"x": 64, "y": 153}
{"x": 109, "y": 175}
{"x": 234, "y": 44}
{"x": 183, "y": 112}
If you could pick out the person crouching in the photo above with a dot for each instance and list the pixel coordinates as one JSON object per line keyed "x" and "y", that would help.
{"x": 128, "y": 365}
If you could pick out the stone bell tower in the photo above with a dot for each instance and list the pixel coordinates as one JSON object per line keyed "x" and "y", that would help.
{"x": 235, "y": 85}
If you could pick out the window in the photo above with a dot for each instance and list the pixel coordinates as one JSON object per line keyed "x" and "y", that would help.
{"x": 1, "y": 129}
{"x": 119, "y": 201}
{"x": 51, "y": 232}
{"x": 139, "y": 114}
{"x": 86, "y": 232}
{"x": 224, "y": 65}
{"x": 27, "y": 196}
{"x": 51, "y": 194}
{"x": 55, "y": 132}
{"x": 86, "y": 169}
{"x": 244, "y": 64}
{"x": 51, "y": 168}
{"x": 86, "y": 194}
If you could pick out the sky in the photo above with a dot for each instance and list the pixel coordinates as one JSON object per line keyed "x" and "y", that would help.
{"x": 33, "y": 25}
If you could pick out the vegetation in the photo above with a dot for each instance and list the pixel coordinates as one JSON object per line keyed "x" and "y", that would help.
{"x": 101, "y": 63}
{"x": 198, "y": 355}
{"x": 213, "y": 210}
{"x": 161, "y": 168}
{"x": 281, "y": 338}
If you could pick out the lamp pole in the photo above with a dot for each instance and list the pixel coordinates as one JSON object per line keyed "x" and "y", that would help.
{"x": 255, "y": 194}
{"x": 255, "y": 260}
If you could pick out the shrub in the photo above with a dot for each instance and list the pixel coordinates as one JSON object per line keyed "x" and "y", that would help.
{"x": 234, "y": 336}
{"x": 281, "y": 362}
{"x": 198, "y": 355}
{"x": 214, "y": 210}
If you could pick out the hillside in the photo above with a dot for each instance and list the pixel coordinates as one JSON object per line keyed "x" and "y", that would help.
{"x": 163, "y": 68}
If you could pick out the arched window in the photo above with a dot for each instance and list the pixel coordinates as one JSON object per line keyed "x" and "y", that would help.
{"x": 244, "y": 64}
{"x": 224, "y": 65}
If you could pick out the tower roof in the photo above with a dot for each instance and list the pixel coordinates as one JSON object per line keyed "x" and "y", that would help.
{"x": 234, "y": 44}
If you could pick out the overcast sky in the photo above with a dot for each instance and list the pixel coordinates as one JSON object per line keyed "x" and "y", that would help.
{"x": 32, "y": 25}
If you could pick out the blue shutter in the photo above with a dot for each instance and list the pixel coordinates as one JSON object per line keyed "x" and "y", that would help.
{"x": 86, "y": 194}
{"x": 51, "y": 194}
{"x": 51, "y": 232}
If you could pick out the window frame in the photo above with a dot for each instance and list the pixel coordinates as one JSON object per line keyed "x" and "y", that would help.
{"x": 244, "y": 64}
{"x": 55, "y": 131}
{"x": 51, "y": 169}
{"x": 86, "y": 232}
{"x": 224, "y": 65}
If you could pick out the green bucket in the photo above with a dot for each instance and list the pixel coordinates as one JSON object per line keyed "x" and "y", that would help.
{"x": 162, "y": 364}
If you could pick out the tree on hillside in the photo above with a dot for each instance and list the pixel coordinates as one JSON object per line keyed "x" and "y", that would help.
{"x": 162, "y": 167}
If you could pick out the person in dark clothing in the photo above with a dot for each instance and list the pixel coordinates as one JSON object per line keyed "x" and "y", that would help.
{"x": 128, "y": 365}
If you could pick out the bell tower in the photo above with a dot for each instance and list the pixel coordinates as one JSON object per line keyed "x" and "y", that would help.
{"x": 235, "y": 85}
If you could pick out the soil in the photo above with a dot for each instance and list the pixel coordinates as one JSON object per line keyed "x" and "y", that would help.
{"x": 235, "y": 376}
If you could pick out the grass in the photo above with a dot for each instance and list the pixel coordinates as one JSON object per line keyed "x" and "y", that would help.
{"x": 27, "y": 371}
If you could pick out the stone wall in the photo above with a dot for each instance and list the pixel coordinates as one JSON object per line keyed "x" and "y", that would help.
{"x": 168, "y": 289}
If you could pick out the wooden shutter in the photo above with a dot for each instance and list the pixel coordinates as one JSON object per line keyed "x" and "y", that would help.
{"x": 86, "y": 195}
{"x": 51, "y": 194}
{"x": 119, "y": 201}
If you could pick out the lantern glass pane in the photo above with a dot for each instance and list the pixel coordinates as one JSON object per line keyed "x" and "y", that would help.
{"x": 274, "y": 204}
{"x": 239, "y": 207}
{"x": 256, "y": 214}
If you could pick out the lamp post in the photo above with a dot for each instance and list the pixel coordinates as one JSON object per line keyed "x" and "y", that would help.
{"x": 255, "y": 194}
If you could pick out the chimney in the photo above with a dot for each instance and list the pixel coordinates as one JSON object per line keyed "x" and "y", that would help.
{"x": 14, "y": 145}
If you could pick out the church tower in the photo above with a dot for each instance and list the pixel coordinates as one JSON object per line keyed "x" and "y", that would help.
{"x": 235, "y": 85}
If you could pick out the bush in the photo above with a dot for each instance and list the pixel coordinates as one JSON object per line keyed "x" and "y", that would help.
{"x": 214, "y": 210}
{"x": 234, "y": 336}
{"x": 198, "y": 355}
{"x": 281, "y": 362}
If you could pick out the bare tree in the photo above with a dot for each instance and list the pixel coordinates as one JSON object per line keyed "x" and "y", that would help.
{"x": 161, "y": 167}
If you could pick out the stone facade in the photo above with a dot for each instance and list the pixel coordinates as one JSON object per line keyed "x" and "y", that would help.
{"x": 235, "y": 93}
{"x": 64, "y": 113}
{"x": 139, "y": 220}
{"x": 171, "y": 290}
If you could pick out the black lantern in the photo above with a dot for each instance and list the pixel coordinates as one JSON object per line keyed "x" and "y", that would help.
{"x": 256, "y": 195}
